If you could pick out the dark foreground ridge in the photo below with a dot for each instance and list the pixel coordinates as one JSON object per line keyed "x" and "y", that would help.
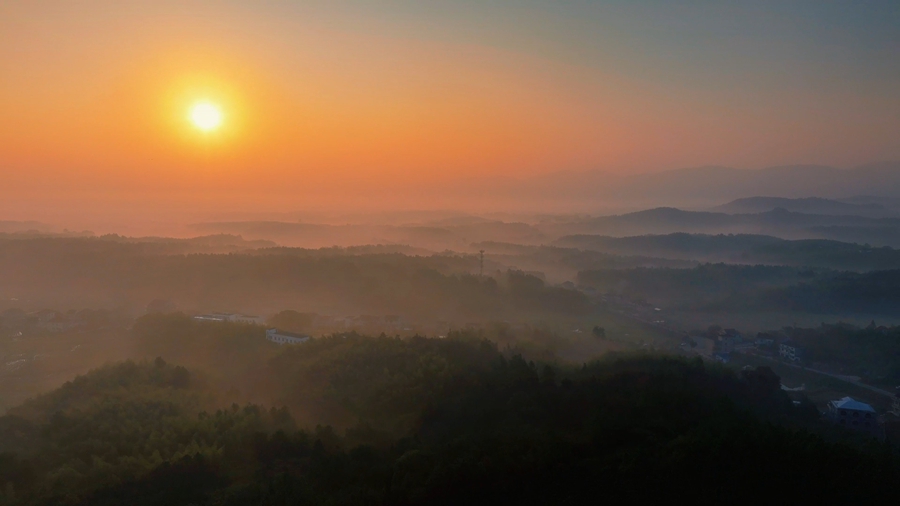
{"x": 439, "y": 421}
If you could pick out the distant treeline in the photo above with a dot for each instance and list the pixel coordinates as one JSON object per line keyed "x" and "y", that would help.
{"x": 219, "y": 243}
{"x": 556, "y": 258}
{"x": 745, "y": 249}
{"x": 737, "y": 287}
{"x": 432, "y": 421}
{"x": 96, "y": 272}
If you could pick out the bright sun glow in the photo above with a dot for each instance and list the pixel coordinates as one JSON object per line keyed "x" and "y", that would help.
{"x": 206, "y": 116}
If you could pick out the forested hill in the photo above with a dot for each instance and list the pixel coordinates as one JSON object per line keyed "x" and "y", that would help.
{"x": 438, "y": 422}
{"x": 809, "y": 205}
{"x": 744, "y": 249}
{"x": 104, "y": 273}
{"x": 778, "y": 222}
{"x": 756, "y": 287}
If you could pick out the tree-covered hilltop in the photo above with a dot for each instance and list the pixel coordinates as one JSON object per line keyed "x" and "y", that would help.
{"x": 92, "y": 271}
{"x": 744, "y": 249}
{"x": 237, "y": 359}
{"x": 113, "y": 425}
{"x": 429, "y": 421}
{"x": 753, "y": 287}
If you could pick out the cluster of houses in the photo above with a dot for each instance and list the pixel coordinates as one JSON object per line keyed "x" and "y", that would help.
{"x": 318, "y": 321}
{"x": 718, "y": 344}
{"x": 371, "y": 323}
{"x": 326, "y": 323}
{"x": 785, "y": 347}
{"x": 273, "y": 335}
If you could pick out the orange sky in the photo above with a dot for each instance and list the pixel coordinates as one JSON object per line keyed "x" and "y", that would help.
{"x": 325, "y": 104}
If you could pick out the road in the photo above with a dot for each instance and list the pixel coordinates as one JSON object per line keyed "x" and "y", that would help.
{"x": 881, "y": 391}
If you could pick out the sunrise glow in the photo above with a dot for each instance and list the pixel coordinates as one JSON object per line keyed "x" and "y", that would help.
{"x": 206, "y": 116}
{"x": 406, "y": 252}
{"x": 336, "y": 104}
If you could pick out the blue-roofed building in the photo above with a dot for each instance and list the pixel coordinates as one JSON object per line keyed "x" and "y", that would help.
{"x": 855, "y": 415}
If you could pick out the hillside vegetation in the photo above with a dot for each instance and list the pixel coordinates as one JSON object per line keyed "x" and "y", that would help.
{"x": 427, "y": 421}
{"x": 721, "y": 287}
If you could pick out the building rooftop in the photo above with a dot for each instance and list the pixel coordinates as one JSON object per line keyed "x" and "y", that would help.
{"x": 286, "y": 334}
{"x": 851, "y": 403}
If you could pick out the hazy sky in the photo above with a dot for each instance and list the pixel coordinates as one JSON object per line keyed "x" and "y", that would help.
{"x": 323, "y": 96}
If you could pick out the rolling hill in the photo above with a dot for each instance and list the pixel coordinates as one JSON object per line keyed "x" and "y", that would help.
{"x": 811, "y": 205}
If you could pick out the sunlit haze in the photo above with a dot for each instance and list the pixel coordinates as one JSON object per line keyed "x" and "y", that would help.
{"x": 443, "y": 252}
{"x": 341, "y": 106}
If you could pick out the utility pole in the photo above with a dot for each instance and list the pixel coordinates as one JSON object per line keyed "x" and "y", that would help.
{"x": 481, "y": 264}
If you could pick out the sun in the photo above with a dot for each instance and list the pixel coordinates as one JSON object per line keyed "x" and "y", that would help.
{"x": 206, "y": 116}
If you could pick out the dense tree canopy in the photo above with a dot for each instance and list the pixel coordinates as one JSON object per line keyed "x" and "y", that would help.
{"x": 432, "y": 287}
{"x": 429, "y": 421}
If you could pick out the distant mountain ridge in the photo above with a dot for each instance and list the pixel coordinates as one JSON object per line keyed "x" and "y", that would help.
{"x": 811, "y": 205}
{"x": 778, "y": 222}
{"x": 711, "y": 185}
{"x": 742, "y": 249}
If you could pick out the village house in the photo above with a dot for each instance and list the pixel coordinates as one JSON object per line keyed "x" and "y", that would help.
{"x": 790, "y": 351}
{"x": 282, "y": 337}
{"x": 855, "y": 415}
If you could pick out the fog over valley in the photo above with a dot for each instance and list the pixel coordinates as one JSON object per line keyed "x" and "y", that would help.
{"x": 406, "y": 253}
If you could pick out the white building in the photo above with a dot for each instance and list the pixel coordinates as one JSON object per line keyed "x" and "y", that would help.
{"x": 282, "y": 337}
{"x": 230, "y": 317}
{"x": 790, "y": 351}
{"x": 854, "y": 414}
